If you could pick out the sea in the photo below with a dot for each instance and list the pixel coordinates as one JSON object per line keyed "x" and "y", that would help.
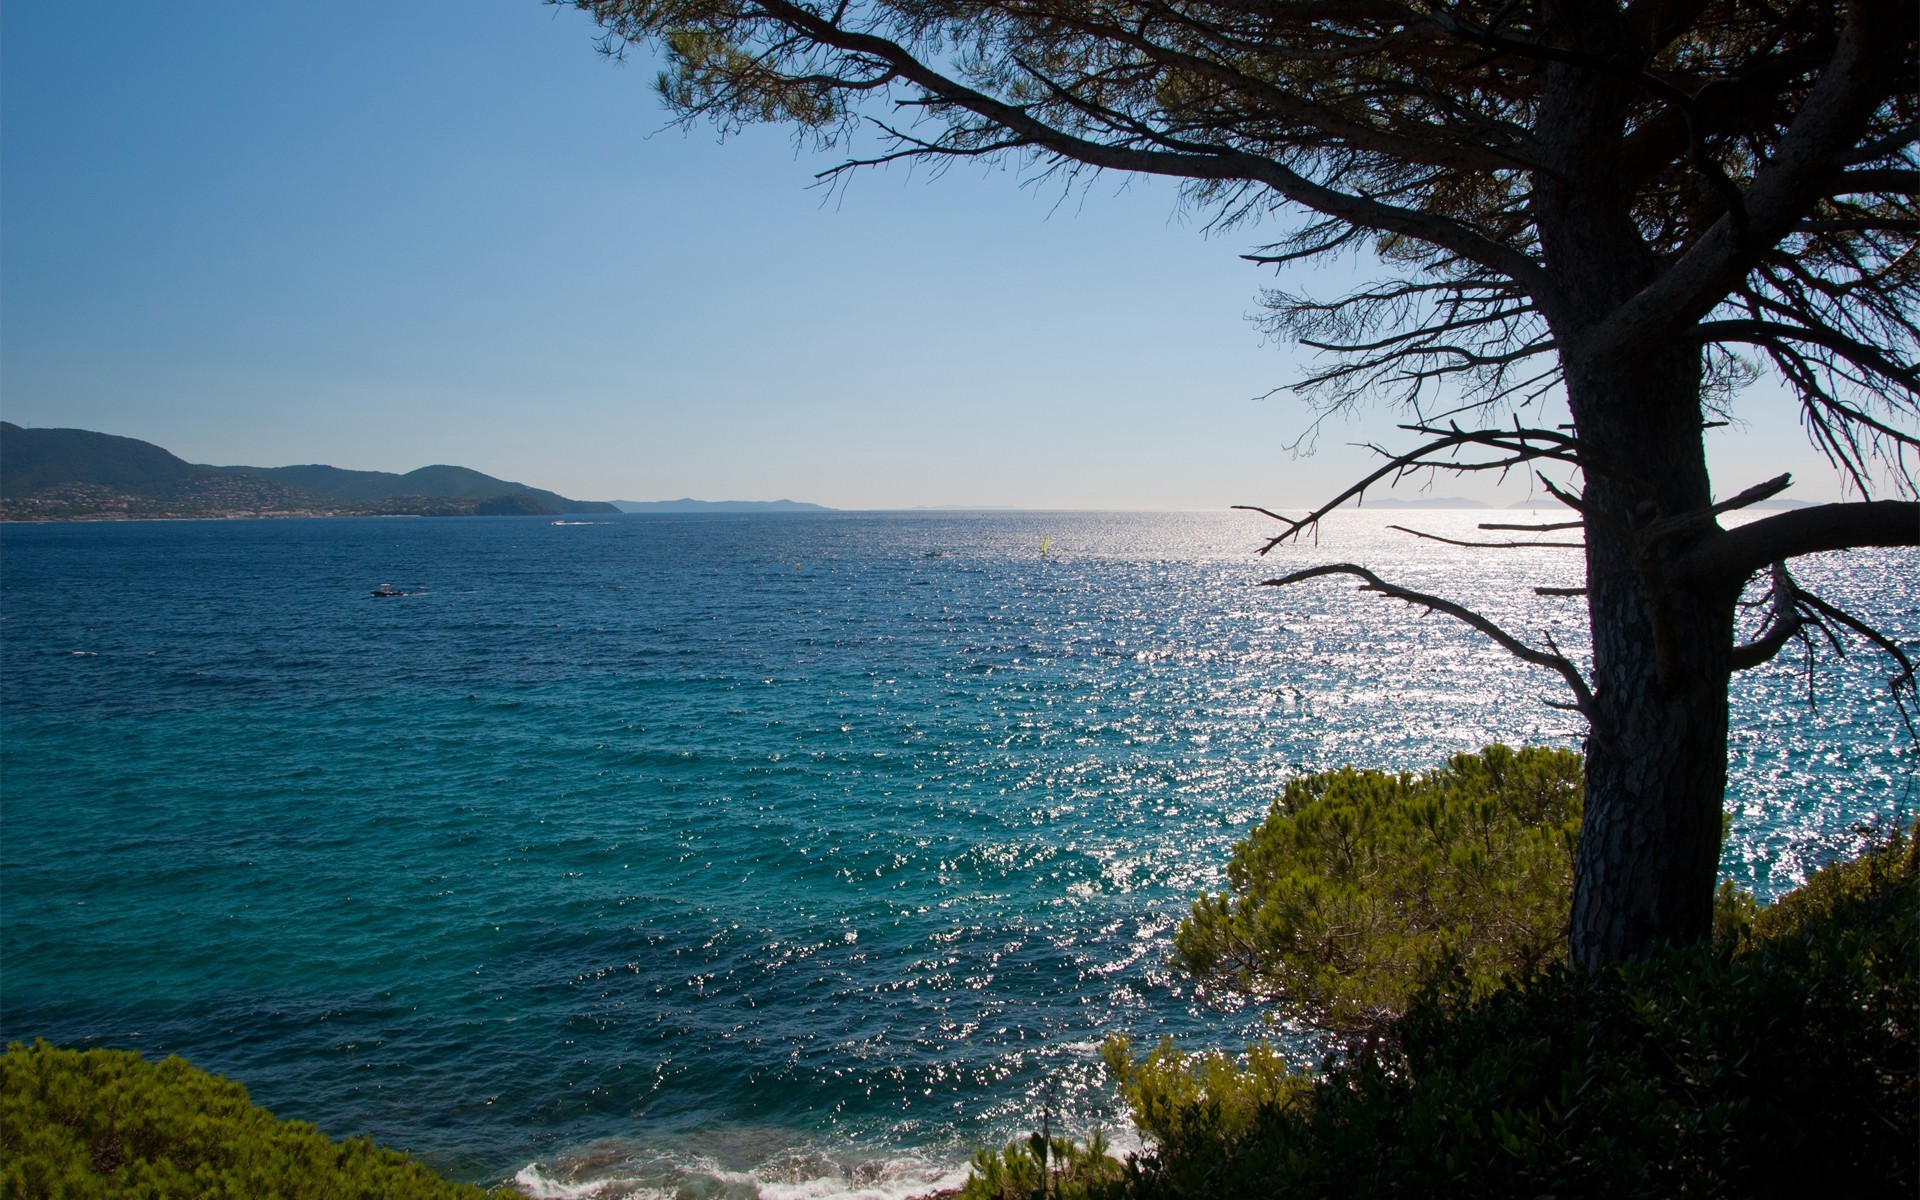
{"x": 749, "y": 855}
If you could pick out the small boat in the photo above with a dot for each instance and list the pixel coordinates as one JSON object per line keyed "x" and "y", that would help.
{"x": 386, "y": 590}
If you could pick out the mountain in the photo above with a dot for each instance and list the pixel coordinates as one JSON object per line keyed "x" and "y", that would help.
{"x": 440, "y": 482}
{"x": 685, "y": 505}
{"x": 35, "y": 459}
{"x": 77, "y": 473}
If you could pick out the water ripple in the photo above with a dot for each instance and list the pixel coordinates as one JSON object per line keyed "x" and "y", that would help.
{"x": 743, "y": 856}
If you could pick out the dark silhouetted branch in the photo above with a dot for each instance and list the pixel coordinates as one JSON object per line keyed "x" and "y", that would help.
{"x": 1544, "y": 528}
{"x": 1734, "y": 554}
{"x": 1794, "y": 611}
{"x": 1514, "y": 443}
{"x": 1699, "y": 518}
{"x": 1583, "y": 696}
{"x": 1785, "y": 621}
{"x": 1434, "y": 537}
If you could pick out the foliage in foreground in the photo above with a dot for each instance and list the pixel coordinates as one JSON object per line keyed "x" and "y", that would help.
{"x": 102, "y": 1123}
{"x": 1361, "y": 884}
{"x": 1047, "y": 1168}
{"x": 1783, "y": 1062}
{"x": 1419, "y": 911}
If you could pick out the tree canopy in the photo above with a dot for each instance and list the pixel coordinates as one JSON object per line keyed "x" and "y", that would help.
{"x": 1361, "y": 885}
{"x": 1629, "y": 206}
{"x": 1755, "y": 160}
{"x": 87, "y": 1124}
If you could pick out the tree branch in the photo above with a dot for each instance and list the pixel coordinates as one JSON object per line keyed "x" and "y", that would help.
{"x": 1831, "y": 121}
{"x": 1434, "y": 537}
{"x": 1905, "y": 679}
{"x": 1559, "y": 446}
{"x": 1864, "y": 355}
{"x": 1786, "y": 620}
{"x": 1794, "y": 611}
{"x": 1548, "y": 527}
{"x": 1583, "y": 696}
{"x": 1731, "y": 555}
{"x": 1187, "y": 161}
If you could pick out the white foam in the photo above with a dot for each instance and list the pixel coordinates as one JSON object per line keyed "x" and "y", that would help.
{"x": 531, "y": 1182}
{"x": 606, "y": 1173}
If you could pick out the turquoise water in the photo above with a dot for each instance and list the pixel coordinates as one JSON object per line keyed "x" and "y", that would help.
{"x": 738, "y": 855}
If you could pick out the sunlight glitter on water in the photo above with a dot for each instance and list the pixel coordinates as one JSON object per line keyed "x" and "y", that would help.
{"x": 613, "y": 837}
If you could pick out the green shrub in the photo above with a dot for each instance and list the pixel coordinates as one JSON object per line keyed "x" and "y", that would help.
{"x": 1359, "y": 885}
{"x": 107, "y": 1123}
{"x": 1838, "y": 885}
{"x": 1168, "y": 1091}
{"x": 1780, "y": 1063}
{"x": 1042, "y": 1167}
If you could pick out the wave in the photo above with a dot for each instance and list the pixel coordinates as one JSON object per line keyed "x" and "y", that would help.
{"x": 741, "y": 1163}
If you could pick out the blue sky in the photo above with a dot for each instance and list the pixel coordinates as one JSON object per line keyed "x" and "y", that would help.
{"x": 384, "y": 235}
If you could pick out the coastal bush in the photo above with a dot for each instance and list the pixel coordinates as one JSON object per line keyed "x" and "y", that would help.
{"x": 1359, "y": 885}
{"x": 106, "y": 1123}
{"x": 1043, "y": 1167}
{"x": 1174, "y": 1095}
{"x": 1778, "y": 1062}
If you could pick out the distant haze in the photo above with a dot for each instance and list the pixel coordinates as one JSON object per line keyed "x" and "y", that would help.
{"x": 687, "y": 504}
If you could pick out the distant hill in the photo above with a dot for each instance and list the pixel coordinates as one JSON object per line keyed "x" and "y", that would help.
{"x": 80, "y": 474}
{"x": 34, "y": 459}
{"x": 717, "y": 506}
{"x": 441, "y": 482}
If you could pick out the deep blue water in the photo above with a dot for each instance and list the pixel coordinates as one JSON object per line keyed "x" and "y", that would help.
{"x": 789, "y": 855}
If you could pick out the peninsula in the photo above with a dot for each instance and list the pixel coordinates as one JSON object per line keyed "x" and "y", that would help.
{"x": 80, "y": 475}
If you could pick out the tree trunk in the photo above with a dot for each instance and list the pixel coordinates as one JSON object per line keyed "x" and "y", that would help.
{"x": 1657, "y": 754}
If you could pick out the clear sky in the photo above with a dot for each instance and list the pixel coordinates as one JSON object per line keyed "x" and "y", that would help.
{"x": 382, "y": 235}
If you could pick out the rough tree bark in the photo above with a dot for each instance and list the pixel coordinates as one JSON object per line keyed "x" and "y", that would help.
{"x": 1657, "y": 751}
{"x": 1656, "y": 754}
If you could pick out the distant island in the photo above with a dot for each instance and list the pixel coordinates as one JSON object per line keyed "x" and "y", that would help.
{"x": 80, "y": 475}
{"x": 687, "y": 505}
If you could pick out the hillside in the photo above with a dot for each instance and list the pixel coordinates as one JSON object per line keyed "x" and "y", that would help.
{"x": 440, "y": 481}
{"x": 77, "y": 474}
{"x": 32, "y": 460}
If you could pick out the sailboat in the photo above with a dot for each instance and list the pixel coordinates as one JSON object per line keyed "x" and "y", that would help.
{"x": 1046, "y": 544}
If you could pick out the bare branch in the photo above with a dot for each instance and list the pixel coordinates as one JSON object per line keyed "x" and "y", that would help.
{"x": 1793, "y": 611}
{"x": 1832, "y": 119}
{"x": 1868, "y": 357}
{"x": 1171, "y": 155}
{"x": 1557, "y": 446}
{"x": 1786, "y": 621}
{"x": 1434, "y": 537}
{"x": 1731, "y": 555}
{"x": 1549, "y": 527}
{"x": 1903, "y": 680}
{"x": 1901, "y": 180}
{"x": 1583, "y": 696}
{"x": 1701, "y": 517}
